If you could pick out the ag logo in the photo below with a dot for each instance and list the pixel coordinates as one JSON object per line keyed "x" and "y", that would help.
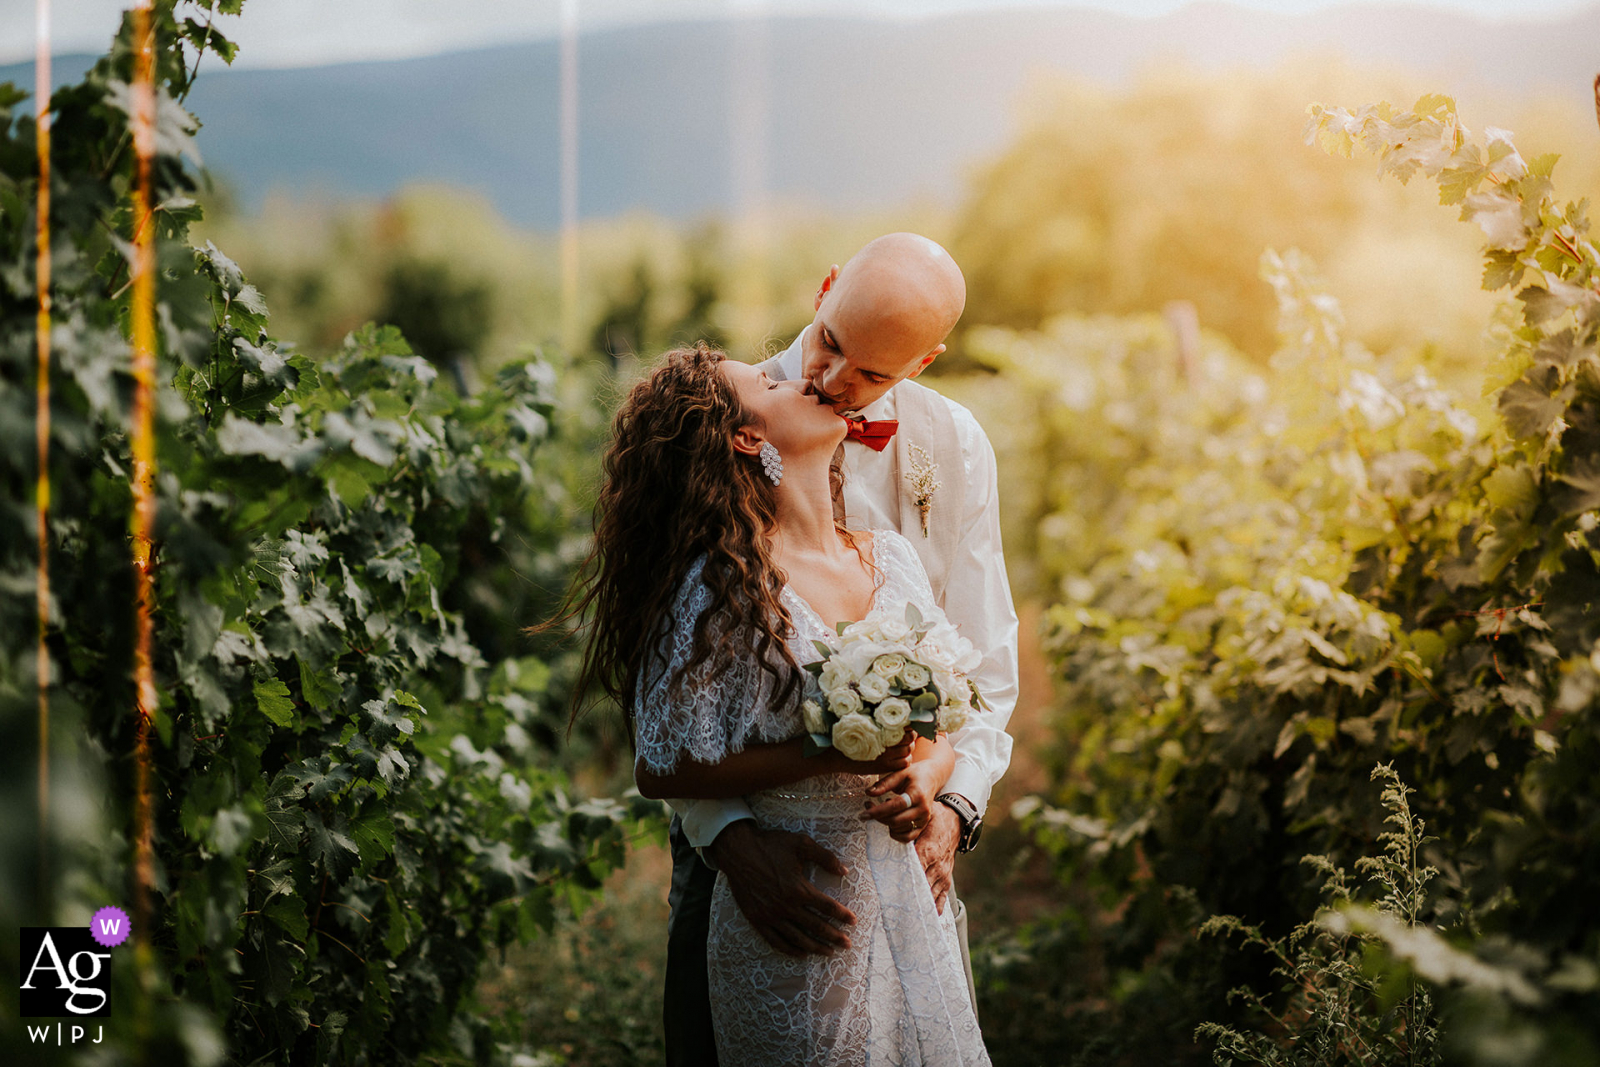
{"x": 64, "y": 973}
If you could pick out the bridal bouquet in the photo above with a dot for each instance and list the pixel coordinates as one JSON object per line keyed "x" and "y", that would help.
{"x": 887, "y": 673}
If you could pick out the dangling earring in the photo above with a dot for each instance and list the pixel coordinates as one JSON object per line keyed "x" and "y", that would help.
{"x": 771, "y": 462}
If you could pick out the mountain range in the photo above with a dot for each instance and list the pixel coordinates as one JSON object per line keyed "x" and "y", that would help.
{"x": 691, "y": 118}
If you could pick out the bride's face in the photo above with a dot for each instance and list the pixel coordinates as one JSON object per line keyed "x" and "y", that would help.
{"x": 792, "y": 418}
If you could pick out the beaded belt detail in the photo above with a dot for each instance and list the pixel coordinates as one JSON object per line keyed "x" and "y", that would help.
{"x": 813, "y": 796}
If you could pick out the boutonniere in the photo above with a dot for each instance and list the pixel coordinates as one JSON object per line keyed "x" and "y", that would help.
{"x": 922, "y": 481}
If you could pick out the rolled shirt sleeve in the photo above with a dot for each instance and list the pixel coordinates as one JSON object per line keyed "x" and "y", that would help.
{"x": 703, "y": 820}
{"x": 977, "y": 598}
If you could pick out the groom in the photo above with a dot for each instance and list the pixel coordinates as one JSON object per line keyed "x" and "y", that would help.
{"x": 879, "y": 322}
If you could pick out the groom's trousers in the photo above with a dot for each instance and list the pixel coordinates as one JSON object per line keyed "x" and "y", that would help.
{"x": 686, "y": 1003}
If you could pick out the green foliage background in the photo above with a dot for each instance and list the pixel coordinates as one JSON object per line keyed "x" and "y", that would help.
{"x": 1268, "y": 580}
{"x": 356, "y": 795}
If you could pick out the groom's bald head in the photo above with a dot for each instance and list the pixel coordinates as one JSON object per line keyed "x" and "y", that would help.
{"x": 902, "y": 285}
{"x": 883, "y": 319}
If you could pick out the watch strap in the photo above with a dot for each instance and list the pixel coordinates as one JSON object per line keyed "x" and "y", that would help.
{"x": 967, "y": 812}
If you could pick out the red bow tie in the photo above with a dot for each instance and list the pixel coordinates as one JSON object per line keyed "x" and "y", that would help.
{"x": 875, "y": 434}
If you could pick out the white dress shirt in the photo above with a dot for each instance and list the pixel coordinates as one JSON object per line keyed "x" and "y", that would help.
{"x": 977, "y": 598}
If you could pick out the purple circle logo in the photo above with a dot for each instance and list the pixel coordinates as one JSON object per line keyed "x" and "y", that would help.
{"x": 110, "y": 926}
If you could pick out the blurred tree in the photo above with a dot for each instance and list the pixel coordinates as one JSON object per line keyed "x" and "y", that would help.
{"x": 702, "y": 291}
{"x": 1122, "y": 202}
{"x": 625, "y": 321}
{"x": 447, "y": 317}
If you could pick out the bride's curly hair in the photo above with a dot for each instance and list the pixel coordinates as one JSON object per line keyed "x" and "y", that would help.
{"x": 674, "y": 488}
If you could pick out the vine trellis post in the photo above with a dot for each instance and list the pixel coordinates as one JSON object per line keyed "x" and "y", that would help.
{"x": 569, "y": 176}
{"x": 41, "y": 96}
{"x": 142, "y": 435}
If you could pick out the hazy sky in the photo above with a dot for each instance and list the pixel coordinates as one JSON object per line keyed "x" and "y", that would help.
{"x": 280, "y": 33}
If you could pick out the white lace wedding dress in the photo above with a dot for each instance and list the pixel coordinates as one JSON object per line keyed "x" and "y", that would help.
{"x": 899, "y": 994}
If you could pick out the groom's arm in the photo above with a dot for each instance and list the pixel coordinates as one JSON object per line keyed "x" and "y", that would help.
{"x": 767, "y": 875}
{"x": 703, "y": 820}
{"x": 977, "y": 598}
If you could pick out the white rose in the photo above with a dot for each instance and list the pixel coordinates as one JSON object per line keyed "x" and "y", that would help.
{"x": 945, "y": 647}
{"x": 891, "y": 735}
{"x": 915, "y": 675}
{"x": 844, "y": 701}
{"x": 865, "y": 630}
{"x": 894, "y": 629}
{"x": 835, "y": 675}
{"x": 889, "y": 664}
{"x": 934, "y": 655}
{"x": 811, "y": 712}
{"x": 873, "y": 687}
{"x": 893, "y": 713}
{"x": 859, "y": 656}
{"x": 952, "y": 717}
{"x": 857, "y": 737}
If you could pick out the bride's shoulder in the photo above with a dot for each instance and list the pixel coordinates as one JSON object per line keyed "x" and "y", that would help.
{"x": 693, "y": 581}
{"x": 890, "y": 544}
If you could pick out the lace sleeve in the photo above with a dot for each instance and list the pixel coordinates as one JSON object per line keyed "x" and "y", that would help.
{"x": 904, "y": 576}
{"x": 701, "y": 716}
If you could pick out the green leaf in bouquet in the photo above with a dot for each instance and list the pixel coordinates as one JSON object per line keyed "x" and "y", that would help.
{"x": 925, "y": 728}
{"x": 927, "y": 700}
{"x": 977, "y": 698}
{"x": 816, "y": 744}
{"x": 815, "y": 666}
{"x": 839, "y": 627}
{"x": 823, "y": 648}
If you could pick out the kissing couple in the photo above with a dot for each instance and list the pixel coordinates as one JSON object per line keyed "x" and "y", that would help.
{"x": 749, "y": 515}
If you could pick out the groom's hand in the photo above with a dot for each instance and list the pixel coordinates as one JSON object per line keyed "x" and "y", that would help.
{"x": 766, "y": 871}
{"x": 936, "y": 848}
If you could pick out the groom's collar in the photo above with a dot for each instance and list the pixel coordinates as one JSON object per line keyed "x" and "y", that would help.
{"x": 791, "y": 361}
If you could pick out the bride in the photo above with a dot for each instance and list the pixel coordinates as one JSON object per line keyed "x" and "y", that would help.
{"x": 717, "y": 563}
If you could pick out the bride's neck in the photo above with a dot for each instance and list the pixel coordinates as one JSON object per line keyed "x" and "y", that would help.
{"x": 805, "y": 506}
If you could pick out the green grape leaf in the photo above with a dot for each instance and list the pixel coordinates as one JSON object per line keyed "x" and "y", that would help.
{"x": 1531, "y": 404}
{"x": 277, "y": 966}
{"x": 319, "y": 687}
{"x": 373, "y": 833}
{"x": 1579, "y": 487}
{"x": 1513, "y": 489}
{"x": 273, "y": 700}
{"x": 290, "y": 914}
{"x": 329, "y": 845}
{"x": 319, "y": 776}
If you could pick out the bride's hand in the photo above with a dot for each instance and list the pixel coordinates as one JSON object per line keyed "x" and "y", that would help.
{"x": 905, "y": 799}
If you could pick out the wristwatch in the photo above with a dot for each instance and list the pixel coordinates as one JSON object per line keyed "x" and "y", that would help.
{"x": 971, "y": 821}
